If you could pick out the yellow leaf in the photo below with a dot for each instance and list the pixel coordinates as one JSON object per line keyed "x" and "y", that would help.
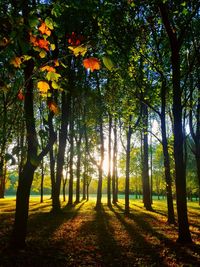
{"x": 43, "y": 87}
{"x": 42, "y": 54}
{"x": 53, "y": 47}
{"x": 16, "y": 62}
{"x": 55, "y": 85}
{"x": 78, "y": 50}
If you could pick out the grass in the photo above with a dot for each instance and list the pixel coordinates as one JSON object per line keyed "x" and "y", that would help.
{"x": 81, "y": 236}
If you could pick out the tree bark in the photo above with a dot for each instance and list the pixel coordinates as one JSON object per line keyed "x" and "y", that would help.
{"x": 184, "y": 235}
{"x": 109, "y": 162}
{"x": 170, "y": 207}
{"x": 145, "y": 163}
{"x": 61, "y": 153}
{"x": 71, "y": 173}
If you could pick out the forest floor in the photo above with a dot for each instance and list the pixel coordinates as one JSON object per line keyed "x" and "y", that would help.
{"x": 82, "y": 236}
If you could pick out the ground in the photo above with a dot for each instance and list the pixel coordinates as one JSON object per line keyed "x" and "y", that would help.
{"x": 83, "y": 236}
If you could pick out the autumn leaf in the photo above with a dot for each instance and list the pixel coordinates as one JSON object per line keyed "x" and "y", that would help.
{"x": 44, "y": 29}
{"x": 56, "y": 63}
{"x": 92, "y": 63}
{"x": 43, "y": 87}
{"x": 16, "y": 62}
{"x": 20, "y": 95}
{"x": 52, "y": 76}
{"x": 42, "y": 43}
{"x": 33, "y": 40}
{"x": 53, "y": 107}
{"x": 75, "y": 39}
{"x": 42, "y": 54}
{"x": 48, "y": 68}
{"x": 80, "y": 50}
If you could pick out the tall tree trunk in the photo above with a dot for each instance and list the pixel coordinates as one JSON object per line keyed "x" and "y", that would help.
{"x": 61, "y": 152}
{"x": 109, "y": 163}
{"x": 2, "y": 178}
{"x": 128, "y": 150}
{"x": 184, "y": 235}
{"x": 26, "y": 176}
{"x": 42, "y": 182}
{"x": 170, "y": 207}
{"x": 100, "y": 170}
{"x": 114, "y": 169}
{"x": 78, "y": 169}
{"x": 145, "y": 163}
{"x": 71, "y": 173}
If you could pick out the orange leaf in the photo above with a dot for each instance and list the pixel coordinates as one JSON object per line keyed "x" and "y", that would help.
{"x": 53, "y": 107}
{"x": 48, "y": 68}
{"x": 92, "y": 63}
{"x": 43, "y": 87}
{"x": 16, "y": 62}
{"x": 44, "y": 29}
{"x": 33, "y": 40}
{"x": 42, "y": 43}
{"x": 56, "y": 63}
{"x": 20, "y": 95}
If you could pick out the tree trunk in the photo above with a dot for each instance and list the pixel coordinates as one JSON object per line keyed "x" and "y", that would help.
{"x": 180, "y": 168}
{"x": 71, "y": 173}
{"x": 2, "y": 178}
{"x": 99, "y": 189}
{"x": 42, "y": 182}
{"x": 128, "y": 150}
{"x": 114, "y": 170}
{"x": 145, "y": 163}
{"x": 26, "y": 176}
{"x": 61, "y": 153}
{"x": 109, "y": 162}
{"x": 78, "y": 169}
{"x": 170, "y": 207}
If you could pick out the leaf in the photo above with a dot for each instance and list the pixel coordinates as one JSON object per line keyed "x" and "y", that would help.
{"x": 75, "y": 39}
{"x": 92, "y": 63}
{"x": 43, "y": 87}
{"x": 52, "y": 76}
{"x": 49, "y": 23}
{"x": 78, "y": 50}
{"x": 25, "y": 57}
{"x": 53, "y": 47}
{"x": 20, "y": 95}
{"x": 56, "y": 63}
{"x": 53, "y": 107}
{"x": 48, "y": 68}
{"x": 42, "y": 54}
{"x": 55, "y": 85}
{"x": 44, "y": 29}
{"x": 42, "y": 43}
{"x": 108, "y": 62}
{"x": 16, "y": 62}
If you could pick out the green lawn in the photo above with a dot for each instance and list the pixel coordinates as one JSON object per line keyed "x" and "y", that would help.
{"x": 81, "y": 236}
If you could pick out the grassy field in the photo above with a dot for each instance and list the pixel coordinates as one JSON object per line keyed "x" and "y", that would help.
{"x": 81, "y": 236}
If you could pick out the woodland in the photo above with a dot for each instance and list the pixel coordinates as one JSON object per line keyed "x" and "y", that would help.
{"x": 100, "y": 119}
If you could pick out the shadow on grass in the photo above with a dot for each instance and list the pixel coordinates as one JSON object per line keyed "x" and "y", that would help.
{"x": 145, "y": 253}
{"x": 188, "y": 254}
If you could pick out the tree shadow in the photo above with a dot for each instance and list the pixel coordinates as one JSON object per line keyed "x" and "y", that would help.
{"x": 187, "y": 254}
{"x": 146, "y": 254}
